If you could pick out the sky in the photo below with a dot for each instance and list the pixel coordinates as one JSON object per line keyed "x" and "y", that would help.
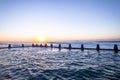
{"x": 59, "y": 20}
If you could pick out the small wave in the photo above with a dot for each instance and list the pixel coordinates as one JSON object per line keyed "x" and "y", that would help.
{"x": 45, "y": 64}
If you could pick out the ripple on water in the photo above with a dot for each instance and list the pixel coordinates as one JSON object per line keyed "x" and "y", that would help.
{"x": 46, "y": 64}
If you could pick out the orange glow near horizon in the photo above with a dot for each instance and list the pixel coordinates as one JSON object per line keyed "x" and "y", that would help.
{"x": 51, "y": 39}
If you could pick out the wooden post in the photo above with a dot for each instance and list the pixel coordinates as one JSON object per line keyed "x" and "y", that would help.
{"x": 97, "y": 47}
{"x": 40, "y": 45}
{"x": 36, "y": 45}
{"x": 45, "y": 45}
{"x": 69, "y": 47}
{"x": 59, "y": 46}
{"x": 51, "y": 45}
{"x": 9, "y": 45}
{"x": 115, "y": 48}
{"x": 22, "y": 45}
{"x": 33, "y": 45}
{"x": 82, "y": 47}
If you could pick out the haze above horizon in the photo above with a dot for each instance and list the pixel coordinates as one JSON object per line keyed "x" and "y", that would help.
{"x": 59, "y": 20}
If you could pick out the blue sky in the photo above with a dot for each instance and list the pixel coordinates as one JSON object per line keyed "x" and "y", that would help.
{"x": 60, "y": 19}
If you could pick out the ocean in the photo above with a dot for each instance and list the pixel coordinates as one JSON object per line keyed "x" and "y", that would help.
{"x": 36, "y": 63}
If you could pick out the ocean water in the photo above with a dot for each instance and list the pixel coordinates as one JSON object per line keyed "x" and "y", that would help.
{"x": 35, "y": 63}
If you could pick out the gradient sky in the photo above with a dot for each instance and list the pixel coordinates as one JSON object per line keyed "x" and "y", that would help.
{"x": 26, "y": 20}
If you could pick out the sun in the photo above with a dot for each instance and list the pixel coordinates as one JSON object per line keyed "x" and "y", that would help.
{"x": 41, "y": 39}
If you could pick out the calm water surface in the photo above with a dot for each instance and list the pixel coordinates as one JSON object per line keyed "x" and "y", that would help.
{"x": 52, "y": 64}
